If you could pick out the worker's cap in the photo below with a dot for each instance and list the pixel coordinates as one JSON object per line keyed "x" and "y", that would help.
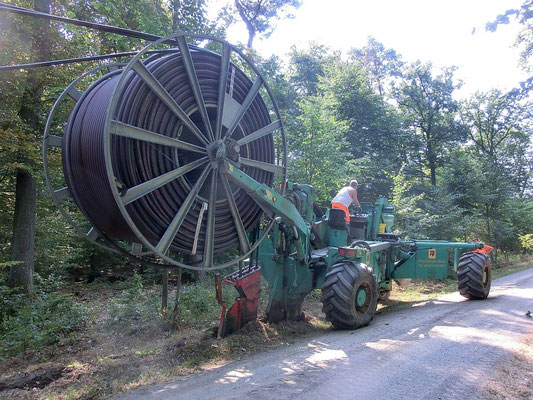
{"x": 354, "y": 183}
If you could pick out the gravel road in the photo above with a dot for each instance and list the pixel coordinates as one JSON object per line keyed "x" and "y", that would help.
{"x": 443, "y": 349}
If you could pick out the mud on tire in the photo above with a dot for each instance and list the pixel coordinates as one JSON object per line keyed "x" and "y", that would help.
{"x": 474, "y": 275}
{"x": 349, "y": 295}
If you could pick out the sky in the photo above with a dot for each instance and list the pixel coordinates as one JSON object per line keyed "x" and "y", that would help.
{"x": 428, "y": 30}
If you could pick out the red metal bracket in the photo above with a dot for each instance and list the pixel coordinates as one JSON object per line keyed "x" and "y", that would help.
{"x": 248, "y": 285}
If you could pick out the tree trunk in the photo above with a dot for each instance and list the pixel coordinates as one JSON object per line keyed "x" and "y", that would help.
{"x": 433, "y": 174}
{"x": 164, "y": 292}
{"x": 432, "y": 163}
{"x": 23, "y": 248}
{"x": 251, "y": 35}
{"x": 199, "y": 275}
{"x": 248, "y": 21}
{"x": 176, "y": 309}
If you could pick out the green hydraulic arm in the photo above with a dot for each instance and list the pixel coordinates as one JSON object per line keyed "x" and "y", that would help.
{"x": 274, "y": 205}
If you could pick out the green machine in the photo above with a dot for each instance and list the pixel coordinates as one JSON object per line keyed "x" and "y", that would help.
{"x": 177, "y": 159}
{"x": 354, "y": 264}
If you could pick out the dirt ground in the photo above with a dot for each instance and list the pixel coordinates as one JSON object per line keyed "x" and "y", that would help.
{"x": 445, "y": 348}
{"x": 514, "y": 378}
{"x": 106, "y": 360}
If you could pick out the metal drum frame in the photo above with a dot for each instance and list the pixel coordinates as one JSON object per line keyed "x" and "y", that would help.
{"x": 50, "y": 141}
{"x": 211, "y": 138}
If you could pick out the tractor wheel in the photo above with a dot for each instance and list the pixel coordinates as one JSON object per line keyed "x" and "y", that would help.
{"x": 474, "y": 275}
{"x": 350, "y": 295}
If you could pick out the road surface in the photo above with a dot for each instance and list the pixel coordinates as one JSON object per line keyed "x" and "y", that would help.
{"x": 444, "y": 349}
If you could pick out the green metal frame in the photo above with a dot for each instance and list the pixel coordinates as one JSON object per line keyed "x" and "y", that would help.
{"x": 301, "y": 247}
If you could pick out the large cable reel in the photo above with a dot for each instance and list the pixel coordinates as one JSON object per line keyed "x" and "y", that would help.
{"x": 142, "y": 145}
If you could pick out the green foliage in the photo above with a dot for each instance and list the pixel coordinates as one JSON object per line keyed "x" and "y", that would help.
{"x": 426, "y": 212}
{"x": 382, "y": 65}
{"x": 316, "y": 149}
{"x": 373, "y": 129}
{"x": 500, "y": 128}
{"x": 198, "y": 306}
{"x": 135, "y": 304}
{"x": 46, "y": 318}
{"x": 527, "y": 242}
{"x": 307, "y": 66}
{"x": 430, "y": 112}
{"x": 524, "y": 16}
{"x": 259, "y": 16}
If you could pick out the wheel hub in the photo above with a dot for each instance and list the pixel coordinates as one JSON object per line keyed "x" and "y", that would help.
{"x": 360, "y": 297}
{"x": 219, "y": 150}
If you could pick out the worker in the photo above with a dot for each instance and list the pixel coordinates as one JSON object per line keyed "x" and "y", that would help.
{"x": 346, "y": 196}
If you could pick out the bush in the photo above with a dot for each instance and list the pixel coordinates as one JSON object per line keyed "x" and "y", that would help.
{"x": 44, "y": 318}
{"x": 198, "y": 306}
{"x": 527, "y": 242}
{"x": 135, "y": 304}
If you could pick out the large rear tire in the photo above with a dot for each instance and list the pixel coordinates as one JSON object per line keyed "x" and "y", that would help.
{"x": 350, "y": 295}
{"x": 474, "y": 275}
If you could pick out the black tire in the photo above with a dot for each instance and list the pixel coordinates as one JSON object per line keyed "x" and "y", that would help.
{"x": 343, "y": 283}
{"x": 474, "y": 275}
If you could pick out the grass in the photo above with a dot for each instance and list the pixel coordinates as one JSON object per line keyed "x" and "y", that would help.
{"x": 500, "y": 272}
{"x": 128, "y": 343}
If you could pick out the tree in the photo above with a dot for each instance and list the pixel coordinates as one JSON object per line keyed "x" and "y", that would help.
{"x": 430, "y": 109}
{"x": 23, "y": 242}
{"x": 524, "y": 16}
{"x": 500, "y": 129}
{"x": 379, "y": 63}
{"x": 307, "y": 66}
{"x": 259, "y": 16}
{"x": 422, "y": 211}
{"x": 316, "y": 153}
{"x": 373, "y": 130}
{"x": 188, "y": 15}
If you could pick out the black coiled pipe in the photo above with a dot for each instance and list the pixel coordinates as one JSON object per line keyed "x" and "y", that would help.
{"x": 136, "y": 161}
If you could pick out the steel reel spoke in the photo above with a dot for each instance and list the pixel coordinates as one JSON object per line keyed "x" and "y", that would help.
{"x": 244, "y": 107}
{"x": 144, "y": 188}
{"x": 210, "y": 228}
{"x": 73, "y": 93}
{"x": 54, "y": 141}
{"x": 175, "y": 225}
{"x": 62, "y": 194}
{"x": 195, "y": 85}
{"x": 276, "y": 169}
{"x": 266, "y": 130}
{"x": 222, "y": 82}
{"x": 133, "y": 132}
{"x": 239, "y": 227}
{"x": 161, "y": 92}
